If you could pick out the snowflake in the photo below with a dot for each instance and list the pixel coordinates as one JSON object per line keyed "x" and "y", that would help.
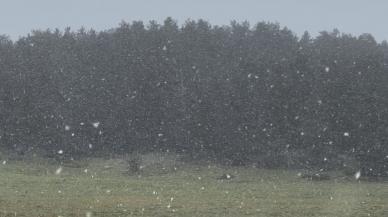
{"x": 58, "y": 171}
{"x": 96, "y": 124}
{"x": 357, "y": 175}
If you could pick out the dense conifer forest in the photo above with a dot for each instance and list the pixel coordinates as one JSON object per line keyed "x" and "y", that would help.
{"x": 241, "y": 92}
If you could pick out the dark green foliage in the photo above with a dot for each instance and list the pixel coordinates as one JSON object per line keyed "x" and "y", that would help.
{"x": 316, "y": 176}
{"x": 134, "y": 162}
{"x": 245, "y": 93}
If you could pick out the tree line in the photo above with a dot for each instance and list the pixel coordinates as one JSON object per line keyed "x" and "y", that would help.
{"x": 237, "y": 92}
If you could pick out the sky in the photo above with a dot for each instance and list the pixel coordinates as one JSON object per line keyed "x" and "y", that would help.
{"x": 19, "y": 17}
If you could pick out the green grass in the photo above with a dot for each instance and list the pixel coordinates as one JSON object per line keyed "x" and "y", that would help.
{"x": 32, "y": 189}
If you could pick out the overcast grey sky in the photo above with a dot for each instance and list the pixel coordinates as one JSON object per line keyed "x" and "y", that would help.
{"x": 19, "y": 17}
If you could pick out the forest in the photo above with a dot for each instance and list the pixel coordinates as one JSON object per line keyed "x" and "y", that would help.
{"x": 238, "y": 93}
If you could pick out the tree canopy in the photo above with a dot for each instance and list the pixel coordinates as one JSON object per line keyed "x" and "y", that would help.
{"x": 240, "y": 92}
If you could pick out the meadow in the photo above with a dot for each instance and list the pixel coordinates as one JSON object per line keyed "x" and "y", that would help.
{"x": 101, "y": 187}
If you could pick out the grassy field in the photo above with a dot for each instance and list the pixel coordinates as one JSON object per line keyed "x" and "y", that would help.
{"x": 99, "y": 188}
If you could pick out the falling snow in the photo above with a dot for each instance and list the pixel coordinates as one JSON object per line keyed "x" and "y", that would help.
{"x": 129, "y": 106}
{"x": 58, "y": 171}
{"x": 357, "y": 175}
{"x": 96, "y": 124}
